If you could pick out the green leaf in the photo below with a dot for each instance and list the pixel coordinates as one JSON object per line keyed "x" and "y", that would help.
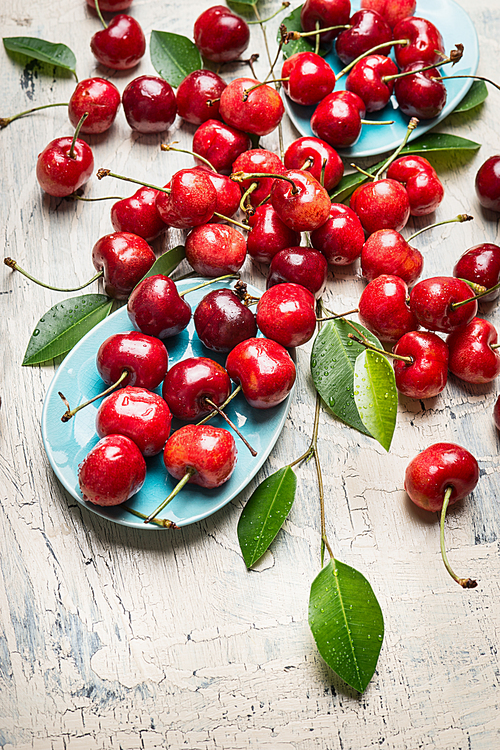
{"x": 174, "y": 56}
{"x": 232, "y": 3}
{"x": 376, "y": 396}
{"x": 475, "y": 96}
{"x": 347, "y": 623}
{"x": 333, "y": 359}
{"x": 292, "y": 23}
{"x": 167, "y": 262}
{"x": 54, "y": 54}
{"x": 264, "y": 514}
{"x": 64, "y": 325}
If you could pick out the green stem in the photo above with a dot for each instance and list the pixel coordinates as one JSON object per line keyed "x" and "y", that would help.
{"x": 98, "y": 10}
{"x": 171, "y": 147}
{"x": 370, "y": 52}
{"x": 337, "y": 316}
{"x": 453, "y": 58}
{"x": 284, "y": 5}
{"x": 69, "y": 413}
{"x": 4, "y": 121}
{"x": 460, "y": 218}
{"x": 411, "y": 127}
{"x": 466, "y": 583}
{"x": 247, "y": 92}
{"x": 477, "y": 78}
{"x": 178, "y": 487}
{"x": 101, "y": 173}
{"x": 12, "y": 264}
{"x": 75, "y": 197}
{"x": 164, "y": 522}
{"x": 243, "y": 176}
{"x": 207, "y": 283}
{"x": 455, "y": 305}
{"x": 223, "y": 406}
{"x": 318, "y": 30}
{"x": 261, "y": 24}
{"x": 377, "y": 122}
{"x": 317, "y": 38}
{"x": 246, "y": 195}
{"x": 75, "y": 136}
{"x": 373, "y": 348}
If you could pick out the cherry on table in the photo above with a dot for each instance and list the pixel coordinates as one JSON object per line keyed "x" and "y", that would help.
{"x": 258, "y": 161}
{"x": 326, "y": 13}
{"x": 258, "y": 111}
{"x": 367, "y": 29}
{"x": 392, "y": 10}
{"x": 228, "y": 193}
{"x": 474, "y": 355}
{"x": 198, "y": 96}
{"x": 220, "y": 144}
{"x": 268, "y": 234}
{"x": 480, "y": 265}
{"x": 138, "y": 214}
{"x": 307, "y": 78}
{"x": 301, "y": 202}
{"x": 318, "y": 158}
{"x": 124, "y": 259}
{"x": 382, "y": 204}
{"x": 426, "y": 375}
{"x": 221, "y": 35}
{"x": 299, "y": 265}
{"x": 120, "y": 45}
{"x": 424, "y": 188}
{"x": 144, "y": 358}
{"x": 264, "y": 369}
{"x": 384, "y": 310}
{"x": 286, "y": 314}
{"x": 439, "y": 303}
{"x": 488, "y": 183}
{"x": 340, "y": 239}
{"x": 387, "y": 252}
{"x": 64, "y": 165}
{"x": 113, "y": 471}
{"x": 111, "y": 6}
{"x": 156, "y": 308}
{"x": 98, "y": 98}
{"x": 222, "y": 320}
{"x": 215, "y": 250}
{"x": 149, "y": 104}
{"x": 191, "y": 201}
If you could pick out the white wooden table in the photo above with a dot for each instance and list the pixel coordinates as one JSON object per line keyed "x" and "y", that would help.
{"x": 114, "y": 638}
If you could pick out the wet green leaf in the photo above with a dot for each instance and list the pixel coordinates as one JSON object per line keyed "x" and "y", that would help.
{"x": 376, "y": 396}
{"x": 347, "y": 623}
{"x": 475, "y": 96}
{"x": 173, "y": 56}
{"x": 58, "y": 55}
{"x": 167, "y": 262}
{"x": 64, "y": 325}
{"x": 292, "y": 23}
{"x": 264, "y": 514}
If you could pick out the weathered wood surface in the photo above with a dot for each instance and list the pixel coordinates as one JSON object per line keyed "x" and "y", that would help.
{"x": 111, "y": 638}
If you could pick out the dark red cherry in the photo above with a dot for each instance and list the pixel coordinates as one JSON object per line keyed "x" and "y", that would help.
{"x": 111, "y": 6}
{"x": 195, "y": 96}
{"x": 341, "y": 237}
{"x": 432, "y": 302}
{"x": 220, "y": 144}
{"x": 421, "y": 95}
{"x": 190, "y": 382}
{"x": 138, "y": 214}
{"x": 481, "y": 265}
{"x": 156, "y": 308}
{"x": 149, "y": 104}
{"x": 488, "y": 183}
{"x": 221, "y": 35}
{"x": 326, "y": 13}
{"x": 299, "y": 265}
{"x": 124, "y": 258}
{"x": 222, "y": 320}
{"x": 121, "y": 45}
{"x": 98, "y": 98}
{"x": 269, "y": 234}
{"x": 215, "y": 250}
{"x": 368, "y": 29}
{"x": 316, "y": 157}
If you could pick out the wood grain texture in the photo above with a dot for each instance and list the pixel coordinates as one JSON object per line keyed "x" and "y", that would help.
{"x": 112, "y": 638}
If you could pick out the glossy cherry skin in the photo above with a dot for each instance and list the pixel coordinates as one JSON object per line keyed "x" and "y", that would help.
{"x": 138, "y": 214}
{"x": 155, "y": 307}
{"x": 481, "y": 265}
{"x": 215, "y": 250}
{"x": 144, "y": 358}
{"x": 368, "y": 29}
{"x": 191, "y": 202}
{"x": 210, "y": 451}
{"x": 424, "y": 188}
{"x": 382, "y": 204}
{"x": 427, "y": 375}
{"x": 387, "y": 252}
{"x": 340, "y": 239}
{"x": 299, "y": 265}
{"x": 431, "y": 301}
{"x": 422, "y": 94}
{"x": 220, "y": 144}
{"x": 137, "y": 413}
{"x": 190, "y": 382}
{"x": 337, "y": 119}
{"x": 286, "y": 314}
{"x": 438, "y": 467}
{"x": 149, "y": 104}
{"x": 392, "y": 11}
{"x": 113, "y": 471}
{"x": 222, "y": 320}
{"x": 121, "y": 45}
{"x": 221, "y": 35}
{"x": 384, "y": 310}
{"x": 425, "y": 43}
{"x": 264, "y": 369}
{"x": 309, "y": 78}
{"x": 269, "y": 235}
{"x": 124, "y": 259}
{"x": 488, "y": 183}
{"x": 100, "y": 99}
{"x": 111, "y": 6}
{"x": 310, "y": 153}
{"x": 303, "y": 208}
{"x": 258, "y": 112}
{"x": 472, "y": 357}
{"x": 60, "y": 175}
{"x": 366, "y": 79}
{"x": 327, "y": 13}
{"x": 258, "y": 160}
{"x": 198, "y": 88}
{"x": 227, "y": 193}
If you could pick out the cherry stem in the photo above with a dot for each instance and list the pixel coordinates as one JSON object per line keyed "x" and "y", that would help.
{"x": 164, "y": 522}
{"x": 101, "y": 173}
{"x": 336, "y": 316}
{"x": 246, "y": 195}
{"x": 247, "y": 92}
{"x": 460, "y": 218}
{"x": 75, "y": 136}
{"x": 284, "y": 5}
{"x": 242, "y": 176}
{"x": 12, "y": 264}
{"x": 232, "y": 221}
{"x": 373, "y": 348}
{"x": 322, "y": 175}
{"x": 178, "y": 487}
{"x": 222, "y": 406}
{"x": 411, "y": 127}
{"x": 453, "y": 58}
{"x": 98, "y": 10}
{"x": 377, "y": 122}
{"x": 477, "y": 288}
{"x": 271, "y": 69}
{"x": 71, "y": 412}
{"x": 264, "y": 34}
{"x": 248, "y": 61}
{"x": 477, "y": 78}
{"x": 317, "y": 38}
{"x": 370, "y": 52}
{"x": 293, "y": 36}
{"x": 211, "y": 281}
{"x": 171, "y": 147}
{"x": 466, "y": 583}
{"x": 455, "y": 305}
{"x": 219, "y": 411}
{"x": 75, "y": 197}
{"x": 4, "y": 121}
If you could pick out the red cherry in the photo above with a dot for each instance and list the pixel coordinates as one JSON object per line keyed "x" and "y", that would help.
{"x": 327, "y": 13}
{"x": 221, "y": 35}
{"x": 156, "y": 308}
{"x": 392, "y": 10}
{"x": 424, "y": 188}
{"x": 149, "y": 104}
{"x": 366, "y": 79}
{"x": 60, "y": 174}
{"x": 382, "y": 204}
{"x": 341, "y": 237}
{"x": 98, "y": 98}
{"x": 113, "y": 471}
{"x": 304, "y": 207}
{"x": 481, "y": 265}
{"x": 299, "y": 265}
{"x": 387, "y": 252}
{"x": 384, "y": 310}
{"x": 222, "y": 321}
{"x": 269, "y": 234}
{"x": 259, "y": 111}
{"x": 472, "y": 356}
{"x": 112, "y": 6}
{"x": 488, "y": 183}
{"x": 215, "y": 249}
{"x": 195, "y": 91}
{"x": 264, "y": 369}
{"x": 228, "y": 193}
{"x": 286, "y": 314}
{"x": 209, "y": 451}
{"x": 125, "y": 258}
{"x": 309, "y": 78}
{"x": 311, "y": 154}
{"x": 421, "y": 95}
{"x": 258, "y": 160}
{"x": 368, "y": 29}
{"x": 138, "y": 215}
{"x": 191, "y": 202}
{"x": 425, "y": 43}
{"x": 190, "y": 382}
{"x": 121, "y": 45}
{"x": 432, "y": 300}
{"x": 427, "y": 374}
{"x": 337, "y": 119}
{"x": 144, "y": 358}
{"x": 220, "y": 144}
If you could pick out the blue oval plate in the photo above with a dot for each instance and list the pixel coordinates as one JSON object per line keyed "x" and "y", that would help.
{"x": 456, "y": 27}
{"x": 67, "y": 444}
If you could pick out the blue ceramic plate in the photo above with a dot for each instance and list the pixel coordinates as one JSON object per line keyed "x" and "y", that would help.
{"x": 455, "y": 26}
{"x": 68, "y": 443}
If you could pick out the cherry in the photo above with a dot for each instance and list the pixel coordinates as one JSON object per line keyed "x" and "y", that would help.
{"x": 367, "y": 29}
{"x": 303, "y": 205}
{"x": 488, "y": 183}
{"x": 299, "y": 265}
{"x": 341, "y": 237}
{"x": 149, "y": 104}
{"x": 120, "y": 45}
{"x": 228, "y": 193}
{"x": 124, "y": 259}
{"x": 195, "y": 91}
{"x": 268, "y": 234}
{"x": 111, "y": 6}
{"x": 191, "y": 201}
{"x": 264, "y": 369}
{"x": 426, "y": 374}
{"x": 474, "y": 355}
{"x": 137, "y": 413}
{"x": 64, "y": 165}
{"x": 481, "y": 265}
{"x": 421, "y": 94}
{"x": 190, "y": 382}
{"x": 496, "y": 413}
{"x": 366, "y": 79}
{"x": 316, "y": 157}
{"x": 113, "y": 471}
{"x": 433, "y": 302}
{"x": 337, "y": 119}
{"x": 286, "y": 314}
{"x": 221, "y": 35}
{"x": 144, "y": 358}
{"x": 392, "y": 10}
{"x": 307, "y": 78}
{"x": 156, "y": 308}
{"x": 326, "y": 13}
{"x": 138, "y": 214}
{"x": 98, "y": 98}
{"x": 222, "y": 321}
{"x": 382, "y": 204}
{"x": 215, "y": 249}
{"x": 424, "y": 188}
{"x": 258, "y": 160}
{"x": 425, "y": 43}
{"x": 384, "y": 310}
{"x": 252, "y": 107}
{"x": 387, "y": 252}
{"x": 220, "y": 144}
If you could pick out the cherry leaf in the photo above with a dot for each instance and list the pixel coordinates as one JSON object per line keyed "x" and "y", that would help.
{"x": 476, "y": 95}
{"x": 64, "y": 325}
{"x": 167, "y": 262}
{"x": 173, "y": 56}
{"x": 375, "y": 395}
{"x": 346, "y": 622}
{"x": 58, "y": 55}
{"x": 292, "y": 23}
{"x": 264, "y": 514}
